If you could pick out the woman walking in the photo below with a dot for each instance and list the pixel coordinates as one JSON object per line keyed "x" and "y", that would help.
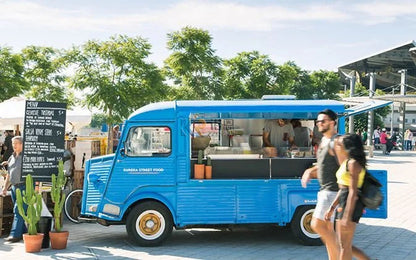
{"x": 350, "y": 177}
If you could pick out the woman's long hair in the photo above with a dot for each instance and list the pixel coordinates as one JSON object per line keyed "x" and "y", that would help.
{"x": 354, "y": 146}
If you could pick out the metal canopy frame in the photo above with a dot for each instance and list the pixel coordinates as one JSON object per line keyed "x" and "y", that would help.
{"x": 386, "y": 64}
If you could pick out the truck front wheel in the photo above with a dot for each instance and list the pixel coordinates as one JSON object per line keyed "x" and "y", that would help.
{"x": 301, "y": 226}
{"x": 149, "y": 224}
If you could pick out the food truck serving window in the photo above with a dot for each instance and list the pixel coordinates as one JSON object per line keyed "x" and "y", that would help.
{"x": 148, "y": 141}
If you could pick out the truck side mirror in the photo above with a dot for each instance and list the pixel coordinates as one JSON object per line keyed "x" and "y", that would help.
{"x": 122, "y": 152}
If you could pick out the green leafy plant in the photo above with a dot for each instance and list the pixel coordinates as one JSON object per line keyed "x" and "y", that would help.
{"x": 58, "y": 197}
{"x": 200, "y": 156}
{"x": 33, "y": 200}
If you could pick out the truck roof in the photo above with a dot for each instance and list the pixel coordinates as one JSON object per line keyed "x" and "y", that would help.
{"x": 216, "y": 109}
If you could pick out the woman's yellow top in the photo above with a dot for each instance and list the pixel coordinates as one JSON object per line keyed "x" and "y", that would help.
{"x": 344, "y": 176}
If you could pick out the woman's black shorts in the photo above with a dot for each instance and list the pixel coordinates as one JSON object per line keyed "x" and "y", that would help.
{"x": 358, "y": 210}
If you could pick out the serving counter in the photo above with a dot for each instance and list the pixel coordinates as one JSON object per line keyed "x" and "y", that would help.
{"x": 244, "y": 167}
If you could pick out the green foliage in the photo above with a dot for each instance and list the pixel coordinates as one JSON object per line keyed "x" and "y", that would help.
{"x": 361, "y": 120}
{"x": 58, "y": 197}
{"x": 116, "y": 75}
{"x": 325, "y": 84}
{"x": 359, "y": 91}
{"x": 193, "y": 64}
{"x": 200, "y": 156}
{"x": 97, "y": 120}
{"x": 251, "y": 75}
{"x": 33, "y": 200}
{"x": 44, "y": 70}
{"x": 182, "y": 93}
{"x": 12, "y": 82}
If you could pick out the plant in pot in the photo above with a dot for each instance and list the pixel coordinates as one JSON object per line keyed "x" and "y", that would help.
{"x": 199, "y": 167}
{"x": 58, "y": 237}
{"x": 208, "y": 169}
{"x": 33, "y": 200}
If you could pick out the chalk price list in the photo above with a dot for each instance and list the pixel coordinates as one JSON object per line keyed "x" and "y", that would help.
{"x": 43, "y": 138}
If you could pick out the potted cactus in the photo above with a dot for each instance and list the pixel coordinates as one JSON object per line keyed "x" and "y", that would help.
{"x": 58, "y": 237}
{"x": 33, "y": 200}
{"x": 208, "y": 169}
{"x": 199, "y": 167}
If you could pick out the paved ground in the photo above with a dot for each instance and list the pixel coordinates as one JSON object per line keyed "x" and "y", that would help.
{"x": 391, "y": 238}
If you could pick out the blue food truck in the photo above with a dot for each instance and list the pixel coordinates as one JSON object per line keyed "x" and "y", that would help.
{"x": 150, "y": 184}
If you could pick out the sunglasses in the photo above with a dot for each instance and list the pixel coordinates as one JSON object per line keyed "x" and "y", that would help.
{"x": 322, "y": 121}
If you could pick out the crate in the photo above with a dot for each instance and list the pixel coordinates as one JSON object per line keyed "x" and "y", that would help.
{"x": 6, "y": 205}
{"x": 6, "y": 224}
{"x": 95, "y": 148}
{"x": 78, "y": 179}
{"x": 6, "y": 214}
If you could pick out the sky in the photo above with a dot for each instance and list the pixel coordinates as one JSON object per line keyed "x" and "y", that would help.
{"x": 315, "y": 34}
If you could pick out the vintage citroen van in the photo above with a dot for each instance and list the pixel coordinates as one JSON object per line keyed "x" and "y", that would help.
{"x": 149, "y": 183}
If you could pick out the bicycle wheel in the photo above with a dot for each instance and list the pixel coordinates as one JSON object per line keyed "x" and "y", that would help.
{"x": 73, "y": 204}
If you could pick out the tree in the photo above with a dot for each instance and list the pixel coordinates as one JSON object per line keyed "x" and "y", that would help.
{"x": 97, "y": 120}
{"x": 296, "y": 81}
{"x": 326, "y": 84}
{"x": 193, "y": 64}
{"x": 12, "y": 82}
{"x": 251, "y": 75}
{"x": 44, "y": 70}
{"x": 361, "y": 120}
{"x": 116, "y": 77}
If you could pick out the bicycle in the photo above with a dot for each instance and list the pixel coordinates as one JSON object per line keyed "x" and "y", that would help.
{"x": 72, "y": 206}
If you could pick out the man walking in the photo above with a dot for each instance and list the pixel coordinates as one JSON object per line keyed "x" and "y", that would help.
{"x": 14, "y": 178}
{"x": 325, "y": 170}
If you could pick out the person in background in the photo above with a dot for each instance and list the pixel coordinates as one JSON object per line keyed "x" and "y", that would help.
{"x": 350, "y": 177}
{"x": 14, "y": 167}
{"x": 302, "y": 134}
{"x": 384, "y": 141}
{"x": 376, "y": 136}
{"x": 279, "y": 136}
{"x": 116, "y": 137}
{"x": 365, "y": 136}
{"x": 393, "y": 138}
{"x": 7, "y": 146}
{"x": 408, "y": 136}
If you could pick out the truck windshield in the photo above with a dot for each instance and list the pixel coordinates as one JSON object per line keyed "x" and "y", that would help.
{"x": 148, "y": 141}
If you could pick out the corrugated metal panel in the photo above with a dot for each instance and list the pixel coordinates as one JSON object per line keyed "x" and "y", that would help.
{"x": 206, "y": 205}
{"x": 183, "y": 171}
{"x": 257, "y": 204}
{"x": 101, "y": 168}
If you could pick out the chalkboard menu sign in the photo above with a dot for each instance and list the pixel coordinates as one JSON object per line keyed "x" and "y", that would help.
{"x": 43, "y": 138}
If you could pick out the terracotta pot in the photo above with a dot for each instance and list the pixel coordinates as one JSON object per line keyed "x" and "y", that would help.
{"x": 208, "y": 172}
{"x": 58, "y": 239}
{"x": 199, "y": 171}
{"x": 33, "y": 243}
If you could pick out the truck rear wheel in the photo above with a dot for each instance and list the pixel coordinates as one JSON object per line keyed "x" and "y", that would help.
{"x": 301, "y": 226}
{"x": 149, "y": 224}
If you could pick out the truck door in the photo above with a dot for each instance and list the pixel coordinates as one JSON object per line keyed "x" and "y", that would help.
{"x": 145, "y": 163}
